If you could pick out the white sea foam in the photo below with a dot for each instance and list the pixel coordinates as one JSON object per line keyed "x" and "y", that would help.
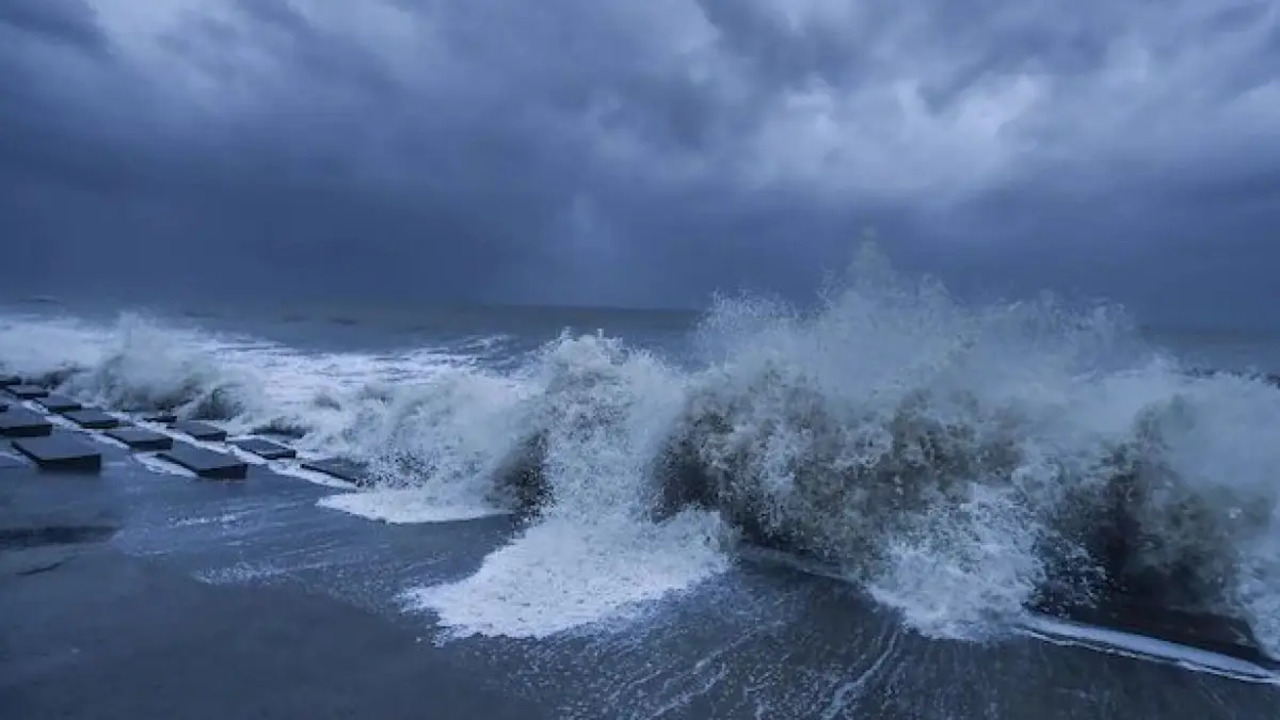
{"x": 293, "y": 468}
{"x": 1137, "y": 646}
{"x": 409, "y": 505}
{"x": 155, "y": 464}
{"x": 560, "y": 575}
{"x": 948, "y": 458}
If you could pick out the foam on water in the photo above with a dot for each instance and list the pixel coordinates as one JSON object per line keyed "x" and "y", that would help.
{"x": 155, "y": 464}
{"x": 601, "y": 412}
{"x": 409, "y": 505}
{"x": 561, "y": 575}
{"x": 959, "y": 463}
{"x": 1136, "y": 646}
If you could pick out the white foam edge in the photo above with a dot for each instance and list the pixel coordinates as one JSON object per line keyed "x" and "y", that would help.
{"x": 561, "y": 576}
{"x": 154, "y": 463}
{"x": 1117, "y": 642}
{"x": 31, "y": 405}
{"x": 217, "y": 446}
{"x": 293, "y": 468}
{"x": 287, "y": 466}
{"x": 59, "y": 421}
{"x": 151, "y": 460}
{"x": 403, "y": 506}
{"x": 224, "y": 518}
{"x": 243, "y": 573}
{"x": 101, "y": 437}
{"x": 1064, "y": 632}
{"x": 240, "y": 453}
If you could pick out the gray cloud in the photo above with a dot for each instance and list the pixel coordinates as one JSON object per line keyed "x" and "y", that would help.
{"x": 68, "y": 21}
{"x": 642, "y": 152}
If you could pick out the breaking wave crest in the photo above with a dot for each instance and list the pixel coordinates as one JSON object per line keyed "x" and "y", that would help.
{"x": 960, "y": 463}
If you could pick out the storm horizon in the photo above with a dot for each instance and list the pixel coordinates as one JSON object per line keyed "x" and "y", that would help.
{"x": 641, "y": 154}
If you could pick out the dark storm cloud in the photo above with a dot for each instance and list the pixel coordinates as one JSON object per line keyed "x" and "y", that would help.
{"x": 641, "y": 152}
{"x": 69, "y": 21}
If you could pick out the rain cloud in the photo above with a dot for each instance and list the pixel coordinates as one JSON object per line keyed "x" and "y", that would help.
{"x": 643, "y": 152}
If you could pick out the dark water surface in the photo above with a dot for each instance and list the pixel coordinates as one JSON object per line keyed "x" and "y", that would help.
{"x": 213, "y": 600}
{"x": 355, "y": 327}
{"x": 261, "y": 600}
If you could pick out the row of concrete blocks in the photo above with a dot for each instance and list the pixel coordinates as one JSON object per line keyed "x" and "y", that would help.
{"x": 33, "y": 435}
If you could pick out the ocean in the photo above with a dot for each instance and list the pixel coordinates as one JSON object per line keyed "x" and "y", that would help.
{"x": 863, "y": 508}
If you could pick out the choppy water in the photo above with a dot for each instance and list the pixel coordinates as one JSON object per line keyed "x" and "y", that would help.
{"x": 957, "y": 464}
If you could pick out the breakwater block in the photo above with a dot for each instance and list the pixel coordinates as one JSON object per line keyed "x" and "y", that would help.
{"x": 58, "y": 404}
{"x": 265, "y": 448}
{"x": 92, "y": 419}
{"x": 141, "y": 438}
{"x": 354, "y": 472}
{"x": 60, "y": 452}
{"x": 200, "y": 430}
{"x": 27, "y": 392}
{"x": 206, "y": 463}
{"x": 162, "y": 418}
{"x": 9, "y": 381}
{"x": 19, "y": 422}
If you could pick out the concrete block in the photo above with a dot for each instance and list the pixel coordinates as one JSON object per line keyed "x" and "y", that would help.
{"x": 265, "y": 448}
{"x": 200, "y": 430}
{"x": 20, "y": 422}
{"x": 58, "y": 403}
{"x": 141, "y": 438}
{"x": 206, "y": 463}
{"x": 60, "y": 452}
{"x": 352, "y": 471}
{"x": 162, "y": 418}
{"x": 9, "y": 381}
{"x": 26, "y": 392}
{"x": 92, "y": 419}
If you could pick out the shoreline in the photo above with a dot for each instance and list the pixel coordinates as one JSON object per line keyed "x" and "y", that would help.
{"x": 128, "y": 593}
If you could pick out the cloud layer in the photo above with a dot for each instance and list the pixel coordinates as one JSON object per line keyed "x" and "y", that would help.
{"x": 643, "y": 151}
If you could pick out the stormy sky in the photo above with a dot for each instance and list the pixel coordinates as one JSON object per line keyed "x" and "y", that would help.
{"x": 642, "y": 152}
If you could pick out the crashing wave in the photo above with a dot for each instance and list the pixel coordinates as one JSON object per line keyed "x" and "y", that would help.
{"x": 960, "y": 463}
